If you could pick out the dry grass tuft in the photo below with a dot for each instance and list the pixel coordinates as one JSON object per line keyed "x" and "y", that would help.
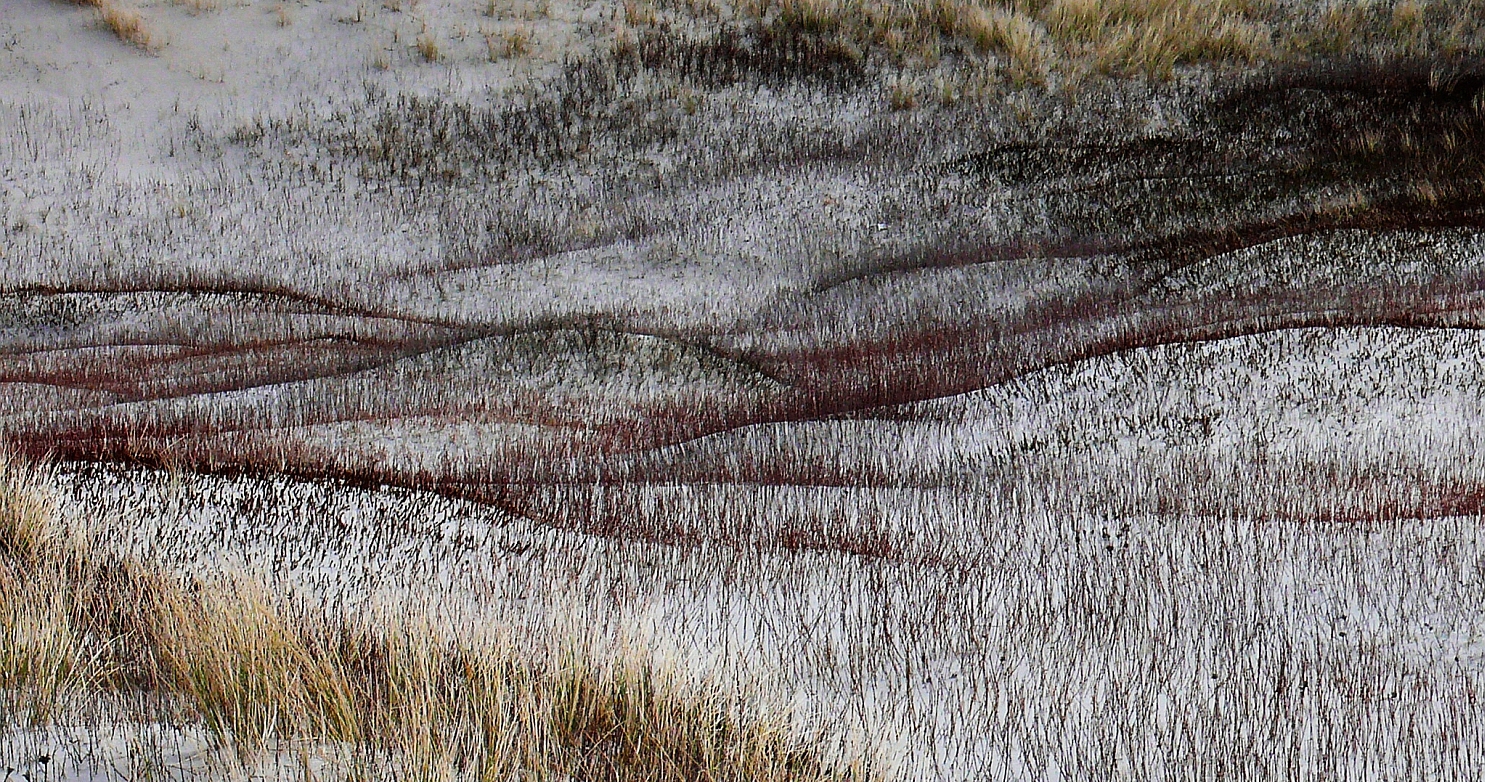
{"x": 126, "y": 23}
{"x": 902, "y": 95}
{"x": 428, "y": 47}
{"x": 1015, "y": 35}
{"x": 408, "y": 699}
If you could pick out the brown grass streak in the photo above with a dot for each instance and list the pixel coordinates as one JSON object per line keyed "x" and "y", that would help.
{"x": 1172, "y": 326}
{"x": 1167, "y": 256}
{"x": 324, "y": 304}
{"x": 130, "y": 378}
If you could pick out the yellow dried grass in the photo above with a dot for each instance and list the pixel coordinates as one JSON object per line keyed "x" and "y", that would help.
{"x": 1147, "y": 37}
{"x": 409, "y": 700}
{"x": 126, "y": 23}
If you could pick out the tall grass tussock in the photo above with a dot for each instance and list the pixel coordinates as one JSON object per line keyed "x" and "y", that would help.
{"x": 384, "y": 696}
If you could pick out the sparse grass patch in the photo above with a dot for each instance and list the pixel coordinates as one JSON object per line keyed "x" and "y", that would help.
{"x": 515, "y": 42}
{"x": 411, "y": 701}
{"x": 517, "y": 9}
{"x": 198, "y": 6}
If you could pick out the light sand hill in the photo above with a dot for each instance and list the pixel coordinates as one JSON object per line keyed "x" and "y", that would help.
{"x": 1121, "y": 427}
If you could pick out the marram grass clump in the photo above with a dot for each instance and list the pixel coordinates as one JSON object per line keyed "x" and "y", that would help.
{"x": 388, "y": 696}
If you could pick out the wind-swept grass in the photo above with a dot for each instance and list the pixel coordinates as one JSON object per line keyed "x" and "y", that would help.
{"x": 388, "y": 696}
{"x": 1126, "y": 36}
